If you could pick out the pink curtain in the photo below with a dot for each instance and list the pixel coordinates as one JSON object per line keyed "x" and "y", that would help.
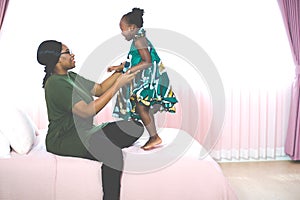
{"x": 255, "y": 124}
{"x": 290, "y": 10}
{"x": 3, "y": 7}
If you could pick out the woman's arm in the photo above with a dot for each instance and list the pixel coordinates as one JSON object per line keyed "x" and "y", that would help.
{"x": 85, "y": 110}
{"x": 142, "y": 46}
{"x": 100, "y": 88}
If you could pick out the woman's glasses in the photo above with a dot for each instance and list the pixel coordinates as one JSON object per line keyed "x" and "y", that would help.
{"x": 68, "y": 51}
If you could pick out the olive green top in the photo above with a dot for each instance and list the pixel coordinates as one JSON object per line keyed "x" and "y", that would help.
{"x": 67, "y": 132}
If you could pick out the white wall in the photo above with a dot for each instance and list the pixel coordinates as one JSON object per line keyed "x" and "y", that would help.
{"x": 245, "y": 39}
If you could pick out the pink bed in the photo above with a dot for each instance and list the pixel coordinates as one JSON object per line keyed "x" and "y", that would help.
{"x": 173, "y": 171}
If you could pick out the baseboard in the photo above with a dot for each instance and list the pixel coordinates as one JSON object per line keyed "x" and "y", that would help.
{"x": 279, "y": 158}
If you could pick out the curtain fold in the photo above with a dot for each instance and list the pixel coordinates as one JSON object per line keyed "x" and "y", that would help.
{"x": 3, "y": 7}
{"x": 290, "y": 10}
{"x": 255, "y": 124}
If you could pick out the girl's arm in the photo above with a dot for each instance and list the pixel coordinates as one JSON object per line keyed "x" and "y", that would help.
{"x": 142, "y": 46}
{"x": 85, "y": 110}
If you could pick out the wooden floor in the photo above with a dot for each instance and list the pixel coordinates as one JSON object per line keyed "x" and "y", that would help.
{"x": 265, "y": 180}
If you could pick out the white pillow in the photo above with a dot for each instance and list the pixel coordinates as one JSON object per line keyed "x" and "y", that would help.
{"x": 4, "y": 146}
{"x": 18, "y": 128}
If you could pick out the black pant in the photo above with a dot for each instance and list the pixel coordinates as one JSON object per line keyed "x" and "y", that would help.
{"x": 106, "y": 145}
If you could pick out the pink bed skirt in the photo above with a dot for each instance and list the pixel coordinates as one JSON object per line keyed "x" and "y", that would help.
{"x": 42, "y": 175}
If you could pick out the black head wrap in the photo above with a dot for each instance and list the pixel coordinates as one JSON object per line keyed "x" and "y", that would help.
{"x": 48, "y": 54}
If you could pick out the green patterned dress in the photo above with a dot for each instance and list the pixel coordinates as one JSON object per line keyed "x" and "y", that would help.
{"x": 151, "y": 86}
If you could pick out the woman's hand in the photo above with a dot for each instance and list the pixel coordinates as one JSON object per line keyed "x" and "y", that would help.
{"x": 116, "y": 68}
{"x": 126, "y": 78}
{"x": 85, "y": 110}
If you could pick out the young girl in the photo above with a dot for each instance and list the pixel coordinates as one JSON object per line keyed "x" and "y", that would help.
{"x": 150, "y": 91}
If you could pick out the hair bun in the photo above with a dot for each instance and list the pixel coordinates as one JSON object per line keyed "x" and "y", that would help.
{"x": 138, "y": 11}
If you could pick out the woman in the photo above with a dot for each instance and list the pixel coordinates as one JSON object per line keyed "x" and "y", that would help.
{"x": 71, "y": 108}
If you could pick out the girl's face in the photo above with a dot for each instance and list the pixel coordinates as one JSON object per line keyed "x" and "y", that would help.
{"x": 128, "y": 30}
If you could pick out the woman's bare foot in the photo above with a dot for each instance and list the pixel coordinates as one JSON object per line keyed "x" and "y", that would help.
{"x": 152, "y": 142}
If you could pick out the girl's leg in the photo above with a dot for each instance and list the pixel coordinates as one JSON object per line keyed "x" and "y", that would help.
{"x": 148, "y": 120}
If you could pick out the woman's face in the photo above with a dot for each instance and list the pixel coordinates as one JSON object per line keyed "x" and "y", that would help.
{"x": 128, "y": 30}
{"x": 66, "y": 59}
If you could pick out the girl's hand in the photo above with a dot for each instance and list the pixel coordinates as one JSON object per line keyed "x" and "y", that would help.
{"x": 116, "y": 68}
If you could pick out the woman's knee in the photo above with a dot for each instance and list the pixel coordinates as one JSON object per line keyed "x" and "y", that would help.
{"x": 133, "y": 128}
{"x": 138, "y": 128}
